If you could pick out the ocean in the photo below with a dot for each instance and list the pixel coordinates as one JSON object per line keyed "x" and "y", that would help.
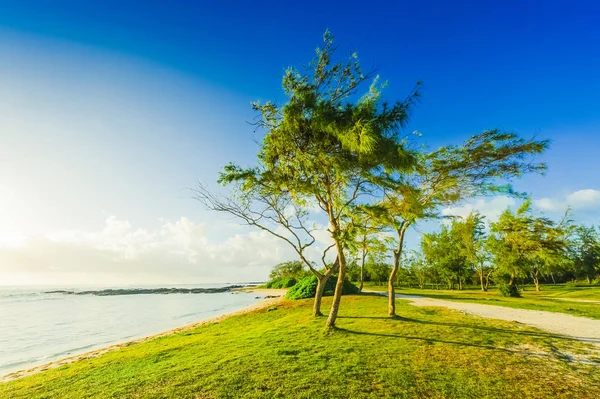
{"x": 38, "y": 326}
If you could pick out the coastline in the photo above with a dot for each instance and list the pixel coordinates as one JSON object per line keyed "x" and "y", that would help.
{"x": 272, "y": 297}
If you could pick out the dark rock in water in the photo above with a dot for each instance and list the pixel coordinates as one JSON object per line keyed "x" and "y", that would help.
{"x": 140, "y": 291}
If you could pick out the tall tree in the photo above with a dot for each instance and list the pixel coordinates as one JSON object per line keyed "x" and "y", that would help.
{"x": 450, "y": 175}
{"x": 328, "y": 143}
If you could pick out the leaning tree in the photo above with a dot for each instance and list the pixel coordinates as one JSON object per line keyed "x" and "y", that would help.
{"x": 327, "y": 144}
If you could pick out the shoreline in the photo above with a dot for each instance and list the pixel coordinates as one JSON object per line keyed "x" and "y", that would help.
{"x": 272, "y": 296}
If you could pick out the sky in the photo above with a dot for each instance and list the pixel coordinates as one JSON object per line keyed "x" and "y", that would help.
{"x": 110, "y": 111}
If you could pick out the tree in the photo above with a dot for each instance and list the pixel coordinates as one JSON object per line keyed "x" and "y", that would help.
{"x": 329, "y": 144}
{"x": 442, "y": 250}
{"x": 292, "y": 269}
{"x": 586, "y": 252}
{"x": 257, "y": 200}
{"x": 419, "y": 269}
{"x": 368, "y": 241}
{"x": 471, "y": 236}
{"x": 525, "y": 244}
{"x": 450, "y": 175}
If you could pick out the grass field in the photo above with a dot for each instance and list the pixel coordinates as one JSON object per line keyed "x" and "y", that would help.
{"x": 559, "y": 298}
{"x": 286, "y": 353}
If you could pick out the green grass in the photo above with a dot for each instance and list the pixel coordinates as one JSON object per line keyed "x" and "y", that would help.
{"x": 546, "y": 300}
{"x": 286, "y": 353}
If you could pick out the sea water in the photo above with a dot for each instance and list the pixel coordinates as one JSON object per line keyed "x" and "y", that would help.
{"x": 37, "y": 327}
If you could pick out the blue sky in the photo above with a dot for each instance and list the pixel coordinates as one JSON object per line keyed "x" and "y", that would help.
{"x": 108, "y": 110}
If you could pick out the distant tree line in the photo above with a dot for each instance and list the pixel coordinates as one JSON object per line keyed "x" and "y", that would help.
{"x": 521, "y": 247}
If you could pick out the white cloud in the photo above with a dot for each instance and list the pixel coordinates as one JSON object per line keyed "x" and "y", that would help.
{"x": 579, "y": 200}
{"x": 180, "y": 251}
{"x": 491, "y": 209}
{"x": 584, "y": 199}
{"x": 546, "y": 204}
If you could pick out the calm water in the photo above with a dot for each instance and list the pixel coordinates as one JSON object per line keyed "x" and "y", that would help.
{"x": 36, "y": 328}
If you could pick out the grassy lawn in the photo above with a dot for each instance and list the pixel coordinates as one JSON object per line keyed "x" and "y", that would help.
{"x": 285, "y": 353}
{"x": 546, "y": 300}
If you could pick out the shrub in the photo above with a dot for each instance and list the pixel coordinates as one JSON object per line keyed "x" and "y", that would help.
{"x": 281, "y": 283}
{"x": 294, "y": 269}
{"x": 307, "y": 288}
{"x": 509, "y": 290}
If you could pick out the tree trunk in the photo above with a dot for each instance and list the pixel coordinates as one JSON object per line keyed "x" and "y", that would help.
{"x": 394, "y": 272}
{"x": 362, "y": 272}
{"x": 391, "y": 290}
{"x": 339, "y": 286}
{"x": 321, "y": 281}
{"x": 487, "y": 281}
{"x": 553, "y": 280}
{"x": 481, "y": 280}
{"x": 536, "y": 280}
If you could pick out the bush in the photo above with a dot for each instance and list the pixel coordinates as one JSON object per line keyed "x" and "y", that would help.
{"x": 281, "y": 283}
{"x": 509, "y": 290}
{"x": 307, "y": 288}
{"x": 294, "y": 269}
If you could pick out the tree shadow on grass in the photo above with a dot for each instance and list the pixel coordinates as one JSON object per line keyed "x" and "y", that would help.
{"x": 553, "y": 354}
{"x": 537, "y": 334}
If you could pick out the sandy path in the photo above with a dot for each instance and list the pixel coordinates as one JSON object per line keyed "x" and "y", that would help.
{"x": 581, "y": 328}
{"x": 573, "y": 300}
{"x": 273, "y": 297}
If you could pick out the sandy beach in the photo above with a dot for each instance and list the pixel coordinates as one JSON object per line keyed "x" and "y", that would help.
{"x": 272, "y": 296}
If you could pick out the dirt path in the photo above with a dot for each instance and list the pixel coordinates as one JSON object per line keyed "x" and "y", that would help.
{"x": 581, "y": 328}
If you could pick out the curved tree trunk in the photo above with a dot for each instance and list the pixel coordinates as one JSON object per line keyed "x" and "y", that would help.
{"x": 339, "y": 286}
{"x": 536, "y": 281}
{"x": 394, "y": 272}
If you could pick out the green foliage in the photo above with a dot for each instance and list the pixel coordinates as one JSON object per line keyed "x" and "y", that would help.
{"x": 527, "y": 245}
{"x": 443, "y": 251}
{"x": 307, "y": 288}
{"x": 377, "y": 272}
{"x": 508, "y": 290}
{"x": 281, "y": 283}
{"x": 293, "y": 269}
{"x": 585, "y": 252}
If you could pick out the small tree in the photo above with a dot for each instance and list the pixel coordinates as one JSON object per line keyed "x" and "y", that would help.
{"x": 586, "y": 252}
{"x": 524, "y": 244}
{"x": 369, "y": 241}
{"x": 471, "y": 236}
{"x": 443, "y": 251}
{"x": 292, "y": 269}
